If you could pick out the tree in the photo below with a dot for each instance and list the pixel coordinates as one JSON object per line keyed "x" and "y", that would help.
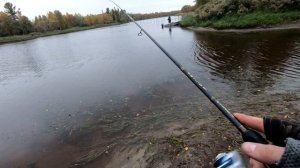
{"x": 25, "y": 25}
{"x": 41, "y": 24}
{"x": 4, "y": 29}
{"x": 117, "y": 15}
{"x": 52, "y": 21}
{"x": 79, "y": 20}
{"x": 69, "y": 20}
{"x": 8, "y": 25}
{"x": 60, "y": 20}
{"x": 201, "y": 2}
{"x": 107, "y": 18}
{"x": 10, "y": 9}
{"x": 187, "y": 8}
{"x": 56, "y": 20}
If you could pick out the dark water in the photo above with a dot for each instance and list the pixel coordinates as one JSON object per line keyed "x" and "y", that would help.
{"x": 53, "y": 88}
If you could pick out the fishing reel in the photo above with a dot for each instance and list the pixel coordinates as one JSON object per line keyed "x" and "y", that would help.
{"x": 232, "y": 159}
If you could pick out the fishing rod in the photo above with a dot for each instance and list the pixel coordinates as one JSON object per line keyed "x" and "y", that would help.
{"x": 247, "y": 134}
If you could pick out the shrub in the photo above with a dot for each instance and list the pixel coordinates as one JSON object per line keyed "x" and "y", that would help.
{"x": 188, "y": 20}
{"x": 220, "y": 8}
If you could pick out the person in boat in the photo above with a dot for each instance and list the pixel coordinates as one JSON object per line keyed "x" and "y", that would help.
{"x": 285, "y": 136}
{"x": 169, "y": 19}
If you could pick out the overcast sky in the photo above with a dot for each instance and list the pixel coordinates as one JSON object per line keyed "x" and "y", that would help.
{"x": 33, "y": 8}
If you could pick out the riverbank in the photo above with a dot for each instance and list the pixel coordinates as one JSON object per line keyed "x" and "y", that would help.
{"x": 192, "y": 143}
{"x": 34, "y": 35}
{"x": 294, "y": 25}
{"x": 250, "y": 22}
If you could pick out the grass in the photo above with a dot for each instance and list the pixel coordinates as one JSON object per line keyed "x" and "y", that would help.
{"x": 17, "y": 38}
{"x": 189, "y": 20}
{"x": 249, "y": 20}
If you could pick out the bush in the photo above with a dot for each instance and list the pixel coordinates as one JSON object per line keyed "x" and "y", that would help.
{"x": 188, "y": 20}
{"x": 253, "y": 19}
{"x": 220, "y": 8}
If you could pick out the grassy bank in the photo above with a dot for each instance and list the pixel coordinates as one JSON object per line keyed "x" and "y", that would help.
{"x": 247, "y": 20}
{"x": 11, "y": 39}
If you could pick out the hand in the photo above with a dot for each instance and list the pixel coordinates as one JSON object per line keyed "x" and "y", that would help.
{"x": 259, "y": 154}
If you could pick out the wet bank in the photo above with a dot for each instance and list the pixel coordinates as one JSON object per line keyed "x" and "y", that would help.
{"x": 101, "y": 98}
{"x": 295, "y": 25}
{"x": 178, "y": 136}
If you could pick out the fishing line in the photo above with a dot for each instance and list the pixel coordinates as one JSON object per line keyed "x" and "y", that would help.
{"x": 248, "y": 134}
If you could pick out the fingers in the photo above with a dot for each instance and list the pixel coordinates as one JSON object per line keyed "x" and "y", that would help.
{"x": 268, "y": 154}
{"x": 251, "y": 122}
{"x": 256, "y": 164}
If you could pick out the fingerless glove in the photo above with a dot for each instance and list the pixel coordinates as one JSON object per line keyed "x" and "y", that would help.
{"x": 277, "y": 131}
{"x": 291, "y": 155}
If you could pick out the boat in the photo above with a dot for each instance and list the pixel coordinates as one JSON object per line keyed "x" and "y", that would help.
{"x": 170, "y": 24}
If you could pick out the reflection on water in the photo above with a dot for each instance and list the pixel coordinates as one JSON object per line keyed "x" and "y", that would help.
{"x": 259, "y": 59}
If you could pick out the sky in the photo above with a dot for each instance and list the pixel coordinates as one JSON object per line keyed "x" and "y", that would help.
{"x": 32, "y": 8}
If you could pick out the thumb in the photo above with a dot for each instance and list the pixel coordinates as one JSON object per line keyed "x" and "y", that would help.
{"x": 268, "y": 154}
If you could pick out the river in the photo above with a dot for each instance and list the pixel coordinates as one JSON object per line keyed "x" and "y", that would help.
{"x": 63, "y": 96}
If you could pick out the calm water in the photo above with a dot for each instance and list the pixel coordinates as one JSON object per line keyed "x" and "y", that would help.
{"x": 52, "y": 88}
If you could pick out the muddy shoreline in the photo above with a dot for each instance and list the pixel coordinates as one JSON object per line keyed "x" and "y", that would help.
{"x": 192, "y": 143}
{"x": 114, "y": 141}
{"x": 295, "y": 25}
{"x": 198, "y": 143}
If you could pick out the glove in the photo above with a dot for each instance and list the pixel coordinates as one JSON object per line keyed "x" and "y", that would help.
{"x": 277, "y": 131}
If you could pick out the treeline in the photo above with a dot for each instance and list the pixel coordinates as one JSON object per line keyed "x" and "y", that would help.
{"x": 12, "y": 22}
{"x": 154, "y": 15}
{"x": 57, "y": 21}
{"x": 218, "y": 8}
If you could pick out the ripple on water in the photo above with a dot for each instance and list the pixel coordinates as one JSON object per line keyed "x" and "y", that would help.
{"x": 271, "y": 55}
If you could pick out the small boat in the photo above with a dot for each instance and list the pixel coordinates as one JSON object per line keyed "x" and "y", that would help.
{"x": 170, "y": 25}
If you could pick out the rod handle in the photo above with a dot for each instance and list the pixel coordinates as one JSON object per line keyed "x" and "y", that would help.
{"x": 253, "y": 136}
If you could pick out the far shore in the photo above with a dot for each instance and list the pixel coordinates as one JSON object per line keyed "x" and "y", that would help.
{"x": 287, "y": 26}
{"x": 35, "y": 35}
{"x": 18, "y": 38}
